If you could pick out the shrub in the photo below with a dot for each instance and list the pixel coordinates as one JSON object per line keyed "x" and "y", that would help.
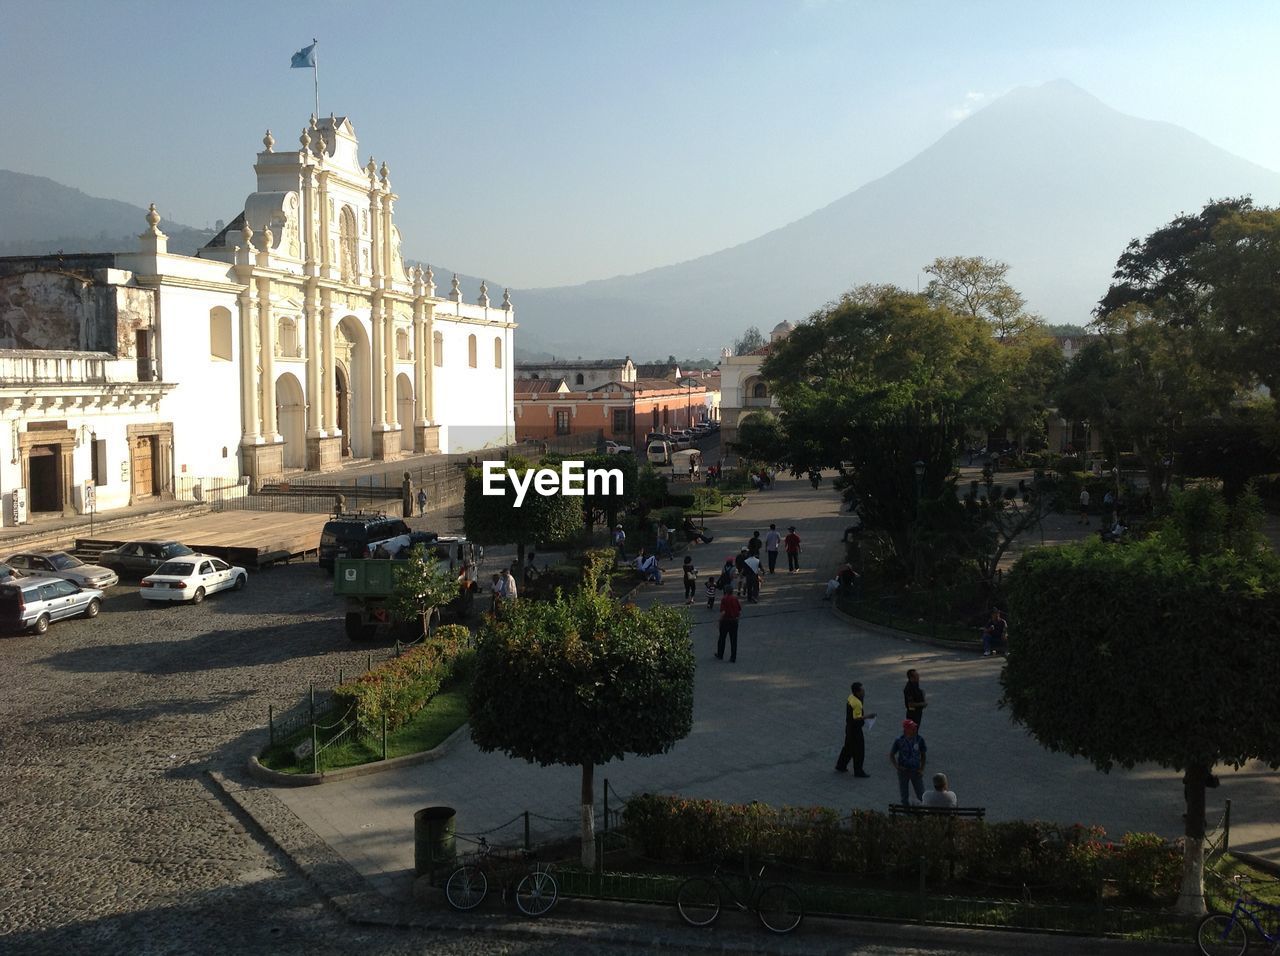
{"x": 402, "y": 686}
{"x": 867, "y": 844}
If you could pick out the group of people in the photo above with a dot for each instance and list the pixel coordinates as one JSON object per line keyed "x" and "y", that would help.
{"x": 503, "y": 589}
{"x": 908, "y": 754}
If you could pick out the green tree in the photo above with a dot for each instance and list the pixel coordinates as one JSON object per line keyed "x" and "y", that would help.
{"x": 751, "y": 340}
{"x": 881, "y": 380}
{"x": 1234, "y": 447}
{"x": 761, "y": 437}
{"x": 494, "y": 519}
{"x": 580, "y": 681}
{"x": 979, "y": 287}
{"x": 422, "y": 584}
{"x": 1141, "y": 382}
{"x": 1144, "y": 653}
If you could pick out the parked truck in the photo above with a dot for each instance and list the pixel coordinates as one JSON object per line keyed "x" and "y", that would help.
{"x": 368, "y": 584}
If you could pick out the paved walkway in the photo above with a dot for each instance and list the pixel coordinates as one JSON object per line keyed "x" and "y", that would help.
{"x": 768, "y": 728}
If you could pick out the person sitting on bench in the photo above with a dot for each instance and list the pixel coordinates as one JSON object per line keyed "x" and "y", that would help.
{"x": 939, "y": 797}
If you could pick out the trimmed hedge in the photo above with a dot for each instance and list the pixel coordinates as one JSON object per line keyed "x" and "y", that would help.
{"x": 402, "y": 686}
{"x": 1071, "y": 861}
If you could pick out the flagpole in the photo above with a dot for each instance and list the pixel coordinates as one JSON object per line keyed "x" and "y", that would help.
{"x": 315, "y": 74}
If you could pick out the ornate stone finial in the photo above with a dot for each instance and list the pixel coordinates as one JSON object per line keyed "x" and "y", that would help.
{"x": 153, "y": 221}
{"x": 247, "y": 234}
{"x": 372, "y": 169}
{"x": 383, "y": 173}
{"x": 484, "y": 293}
{"x": 506, "y": 300}
{"x": 415, "y": 276}
{"x": 430, "y": 280}
{"x": 305, "y": 139}
{"x": 455, "y": 293}
{"x": 269, "y": 141}
{"x": 268, "y": 238}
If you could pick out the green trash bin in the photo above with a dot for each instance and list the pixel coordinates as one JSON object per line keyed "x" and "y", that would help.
{"x": 433, "y": 844}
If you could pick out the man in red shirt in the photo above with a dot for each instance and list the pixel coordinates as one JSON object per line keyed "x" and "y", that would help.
{"x": 730, "y": 611}
{"x": 791, "y": 544}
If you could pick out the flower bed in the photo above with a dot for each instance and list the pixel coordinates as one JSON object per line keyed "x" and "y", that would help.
{"x": 1070, "y": 862}
{"x": 402, "y": 686}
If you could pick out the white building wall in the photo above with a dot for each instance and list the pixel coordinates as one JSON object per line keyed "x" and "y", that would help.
{"x": 473, "y": 406}
{"x": 204, "y": 407}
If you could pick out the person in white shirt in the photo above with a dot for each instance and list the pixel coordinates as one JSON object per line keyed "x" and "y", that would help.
{"x": 939, "y": 797}
{"x": 772, "y": 541}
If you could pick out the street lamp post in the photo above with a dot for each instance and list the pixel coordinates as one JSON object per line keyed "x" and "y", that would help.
{"x": 1084, "y": 454}
{"x": 919, "y": 470}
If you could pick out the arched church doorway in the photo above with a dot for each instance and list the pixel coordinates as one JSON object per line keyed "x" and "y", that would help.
{"x": 291, "y": 419}
{"x": 344, "y": 408}
{"x": 352, "y": 347}
{"x": 404, "y": 408}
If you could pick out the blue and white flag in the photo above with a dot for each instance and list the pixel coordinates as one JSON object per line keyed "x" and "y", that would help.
{"x": 304, "y": 58}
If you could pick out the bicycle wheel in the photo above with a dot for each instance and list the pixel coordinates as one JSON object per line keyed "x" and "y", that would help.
{"x": 537, "y": 892}
{"x": 467, "y": 888}
{"x": 779, "y": 908}
{"x": 1221, "y": 934}
{"x": 698, "y": 901}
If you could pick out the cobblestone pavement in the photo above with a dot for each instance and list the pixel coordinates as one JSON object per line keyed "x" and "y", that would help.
{"x": 112, "y": 839}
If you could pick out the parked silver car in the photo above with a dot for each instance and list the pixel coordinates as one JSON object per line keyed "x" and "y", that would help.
{"x": 59, "y": 564}
{"x": 33, "y": 603}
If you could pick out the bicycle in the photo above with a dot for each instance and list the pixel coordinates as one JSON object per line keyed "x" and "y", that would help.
{"x": 1225, "y": 934}
{"x": 468, "y": 885}
{"x": 777, "y": 905}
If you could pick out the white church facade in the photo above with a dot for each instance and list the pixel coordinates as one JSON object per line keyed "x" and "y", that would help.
{"x": 296, "y": 339}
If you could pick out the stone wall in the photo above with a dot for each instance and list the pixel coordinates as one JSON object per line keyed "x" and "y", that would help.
{"x": 70, "y": 311}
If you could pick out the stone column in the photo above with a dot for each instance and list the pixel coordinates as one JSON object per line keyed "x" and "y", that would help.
{"x": 252, "y": 422}
{"x": 377, "y": 365}
{"x": 315, "y": 359}
{"x": 267, "y": 333}
{"x": 328, "y": 384}
{"x": 389, "y": 332}
{"x": 323, "y": 226}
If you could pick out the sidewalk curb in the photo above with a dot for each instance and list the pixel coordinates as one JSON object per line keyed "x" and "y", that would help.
{"x": 276, "y": 778}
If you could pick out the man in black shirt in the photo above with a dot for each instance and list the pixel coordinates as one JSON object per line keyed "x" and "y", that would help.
{"x": 913, "y": 697}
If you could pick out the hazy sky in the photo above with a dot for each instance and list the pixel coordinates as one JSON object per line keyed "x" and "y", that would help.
{"x": 550, "y": 142}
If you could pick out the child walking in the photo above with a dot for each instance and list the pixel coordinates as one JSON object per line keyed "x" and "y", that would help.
{"x": 712, "y": 589}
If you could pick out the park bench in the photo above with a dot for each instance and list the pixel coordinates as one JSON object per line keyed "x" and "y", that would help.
{"x": 901, "y": 810}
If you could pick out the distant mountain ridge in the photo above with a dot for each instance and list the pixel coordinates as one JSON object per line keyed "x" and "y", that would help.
{"x": 1047, "y": 178}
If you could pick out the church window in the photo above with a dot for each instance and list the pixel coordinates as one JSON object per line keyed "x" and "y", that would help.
{"x": 287, "y": 338}
{"x": 402, "y": 345}
{"x": 497, "y": 351}
{"x": 347, "y": 242}
{"x": 579, "y": 380}
{"x": 759, "y": 390}
{"x": 471, "y": 350}
{"x": 220, "y": 334}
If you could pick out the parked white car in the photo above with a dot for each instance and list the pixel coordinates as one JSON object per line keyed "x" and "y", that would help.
{"x": 613, "y": 448}
{"x": 192, "y": 577}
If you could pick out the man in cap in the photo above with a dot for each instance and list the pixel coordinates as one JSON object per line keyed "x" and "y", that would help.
{"x": 907, "y": 755}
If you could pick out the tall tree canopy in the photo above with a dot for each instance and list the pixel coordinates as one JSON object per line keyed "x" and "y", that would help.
{"x": 1166, "y": 651}
{"x": 979, "y": 287}
{"x": 881, "y": 380}
{"x": 751, "y": 340}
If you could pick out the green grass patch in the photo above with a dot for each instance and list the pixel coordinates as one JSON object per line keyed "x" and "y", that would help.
{"x": 428, "y": 728}
{"x": 1220, "y": 889}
